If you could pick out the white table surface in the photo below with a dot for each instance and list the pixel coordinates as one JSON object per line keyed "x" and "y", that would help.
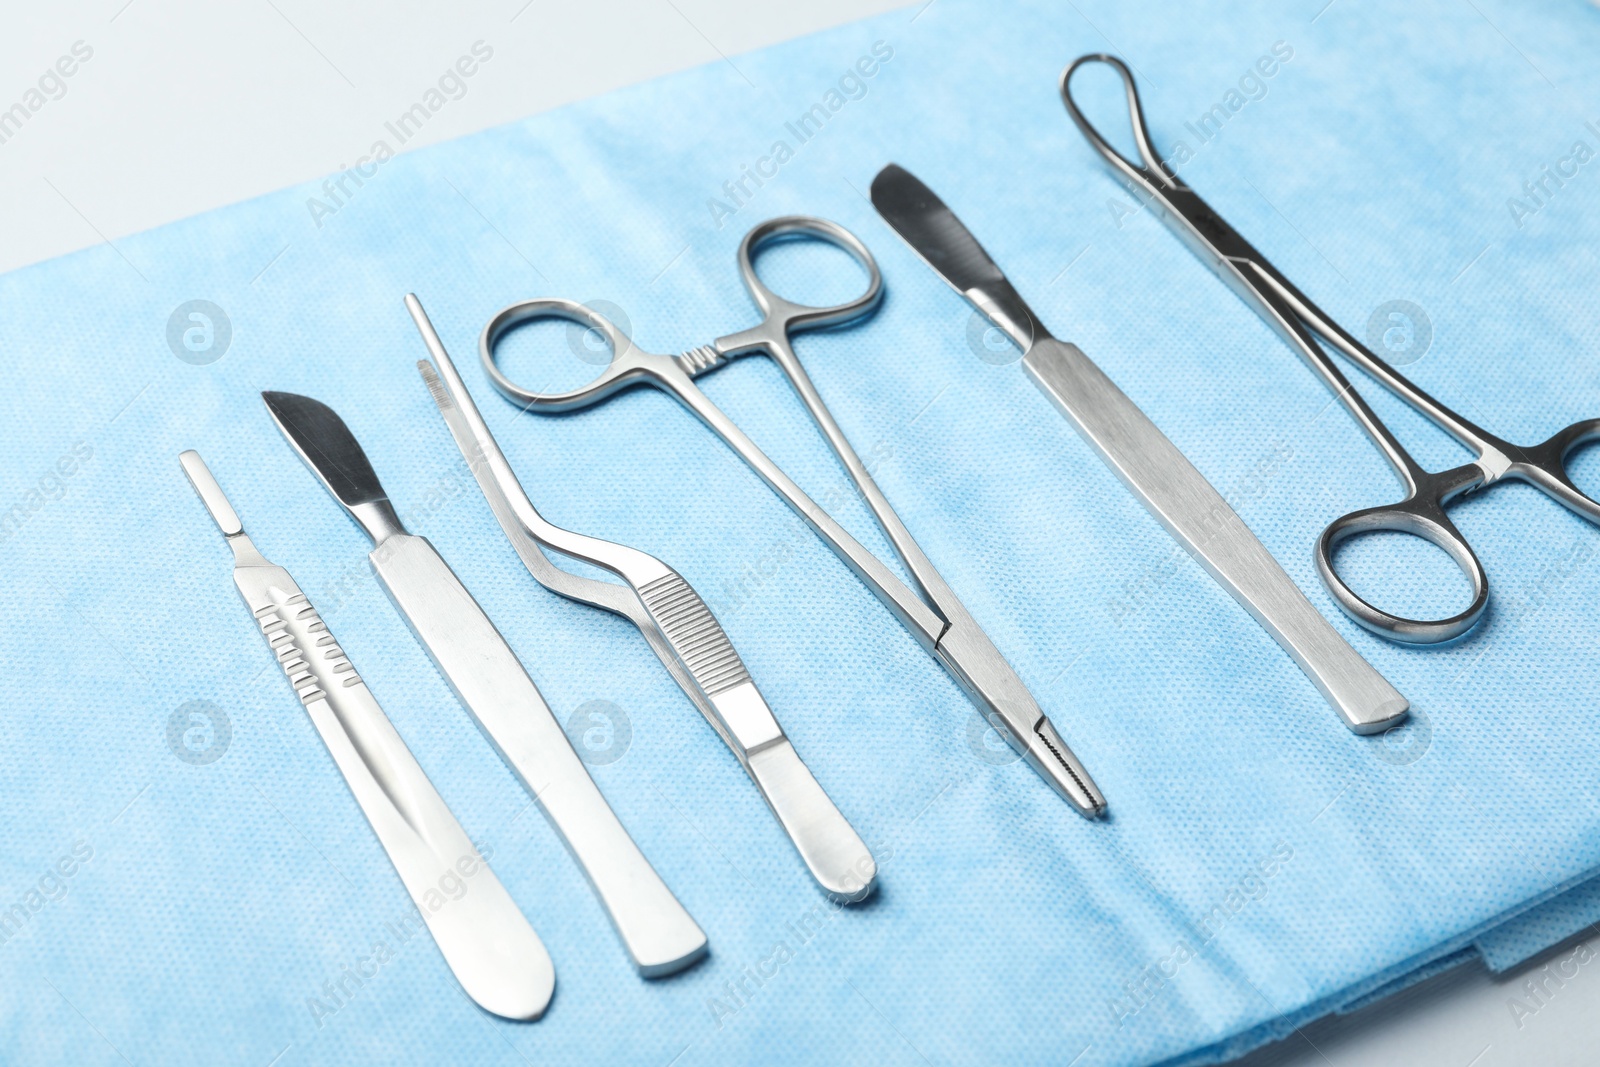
{"x": 188, "y": 105}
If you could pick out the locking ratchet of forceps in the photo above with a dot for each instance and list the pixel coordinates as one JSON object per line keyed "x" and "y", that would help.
{"x": 1302, "y": 323}
{"x": 936, "y": 617}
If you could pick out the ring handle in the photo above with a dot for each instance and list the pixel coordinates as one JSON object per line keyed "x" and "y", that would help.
{"x": 789, "y": 315}
{"x": 1153, "y": 170}
{"x": 628, "y": 365}
{"x": 1545, "y": 468}
{"x": 1421, "y": 516}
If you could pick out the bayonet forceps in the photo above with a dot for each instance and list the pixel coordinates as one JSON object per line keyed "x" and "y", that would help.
{"x": 677, "y": 624}
{"x": 1301, "y": 323}
{"x": 936, "y": 617}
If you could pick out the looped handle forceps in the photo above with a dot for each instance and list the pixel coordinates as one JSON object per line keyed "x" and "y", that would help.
{"x": 936, "y": 617}
{"x": 1422, "y": 512}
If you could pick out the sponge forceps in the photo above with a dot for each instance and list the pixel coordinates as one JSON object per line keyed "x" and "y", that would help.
{"x": 933, "y": 613}
{"x": 1289, "y": 311}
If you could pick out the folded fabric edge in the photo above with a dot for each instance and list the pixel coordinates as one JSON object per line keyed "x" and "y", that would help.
{"x": 1513, "y": 938}
{"x": 1438, "y": 965}
{"x": 1541, "y": 926}
{"x": 1247, "y": 1041}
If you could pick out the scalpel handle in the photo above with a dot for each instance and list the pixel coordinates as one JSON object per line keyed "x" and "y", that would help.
{"x": 1179, "y": 496}
{"x": 484, "y": 938}
{"x": 488, "y": 678}
{"x": 482, "y": 935}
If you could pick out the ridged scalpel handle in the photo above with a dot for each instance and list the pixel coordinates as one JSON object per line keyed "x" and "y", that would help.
{"x": 483, "y": 936}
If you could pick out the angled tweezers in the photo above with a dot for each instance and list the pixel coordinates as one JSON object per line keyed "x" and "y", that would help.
{"x": 679, "y": 627}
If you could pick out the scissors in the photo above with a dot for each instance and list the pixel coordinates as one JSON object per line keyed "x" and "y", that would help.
{"x": 933, "y": 614}
{"x": 1301, "y": 323}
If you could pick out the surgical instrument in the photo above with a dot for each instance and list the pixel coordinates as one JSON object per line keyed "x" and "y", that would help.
{"x": 677, "y": 624}
{"x": 1150, "y": 465}
{"x": 485, "y": 939}
{"x": 1300, "y": 322}
{"x": 933, "y": 613}
{"x": 490, "y": 681}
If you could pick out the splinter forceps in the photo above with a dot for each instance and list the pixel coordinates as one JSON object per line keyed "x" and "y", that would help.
{"x": 935, "y": 617}
{"x": 1292, "y": 314}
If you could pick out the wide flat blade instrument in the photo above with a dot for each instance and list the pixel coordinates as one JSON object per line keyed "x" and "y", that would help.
{"x": 1150, "y": 465}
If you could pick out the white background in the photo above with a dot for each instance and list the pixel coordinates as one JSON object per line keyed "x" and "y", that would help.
{"x": 188, "y": 105}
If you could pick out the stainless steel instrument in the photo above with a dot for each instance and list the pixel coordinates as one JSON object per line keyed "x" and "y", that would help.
{"x": 490, "y": 947}
{"x": 1301, "y": 323}
{"x": 1148, "y": 463}
{"x": 933, "y": 613}
{"x": 488, "y": 678}
{"x": 675, "y": 621}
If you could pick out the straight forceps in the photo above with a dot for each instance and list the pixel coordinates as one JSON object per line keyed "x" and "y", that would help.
{"x": 1301, "y": 323}
{"x": 936, "y": 617}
